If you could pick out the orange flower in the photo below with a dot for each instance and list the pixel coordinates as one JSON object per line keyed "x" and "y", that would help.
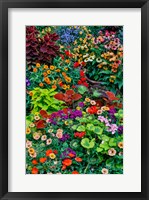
{"x": 54, "y": 86}
{"x": 31, "y": 93}
{"x": 67, "y": 162}
{"x": 48, "y": 152}
{"x": 45, "y": 74}
{"x": 63, "y": 167}
{"x": 57, "y": 70}
{"x": 52, "y": 67}
{"x": 78, "y": 159}
{"x": 64, "y": 74}
{"x": 35, "y": 70}
{"x": 71, "y": 155}
{"x": 37, "y": 64}
{"x": 67, "y": 61}
{"x": 45, "y": 66}
{"x": 41, "y": 84}
{"x": 34, "y": 162}
{"x": 48, "y": 72}
{"x": 34, "y": 170}
{"x": 42, "y": 160}
{"x": 75, "y": 172}
{"x": 47, "y": 80}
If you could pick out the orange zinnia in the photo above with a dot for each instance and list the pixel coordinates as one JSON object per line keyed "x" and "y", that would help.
{"x": 67, "y": 162}
{"x": 78, "y": 159}
{"x": 71, "y": 155}
{"x": 34, "y": 170}
{"x": 42, "y": 160}
{"x": 48, "y": 152}
{"x": 75, "y": 172}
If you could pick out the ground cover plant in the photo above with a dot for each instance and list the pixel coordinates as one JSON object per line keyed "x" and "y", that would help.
{"x": 74, "y": 100}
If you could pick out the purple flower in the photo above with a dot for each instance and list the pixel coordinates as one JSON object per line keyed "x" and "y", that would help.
{"x": 112, "y": 128}
{"x": 65, "y": 137}
{"x": 28, "y": 82}
{"x": 81, "y": 104}
{"x": 66, "y": 153}
{"x": 120, "y": 129}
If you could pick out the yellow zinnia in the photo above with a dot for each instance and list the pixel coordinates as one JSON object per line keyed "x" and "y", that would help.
{"x": 52, "y": 155}
{"x": 52, "y": 67}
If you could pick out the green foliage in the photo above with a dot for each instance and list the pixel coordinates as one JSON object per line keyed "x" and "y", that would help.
{"x": 43, "y": 99}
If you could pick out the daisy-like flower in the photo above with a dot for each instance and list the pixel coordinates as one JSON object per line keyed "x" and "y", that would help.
{"x": 59, "y": 134}
{"x": 120, "y": 145}
{"x": 28, "y": 144}
{"x": 112, "y": 152}
{"x": 32, "y": 125}
{"x": 49, "y": 141}
{"x": 59, "y": 130}
{"x": 50, "y": 130}
{"x": 44, "y": 137}
{"x": 36, "y": 136}
{"x": 92, "y": 102}
{"x": 52, "y": 156}
{"x": 87, "y": 99}
{"x": 99, "y": 112}
{"x": 34, "y": 155}
{"x": 28, "y": 131}
{"x": 36, "y": 117}
{"x": 104, "y": 171}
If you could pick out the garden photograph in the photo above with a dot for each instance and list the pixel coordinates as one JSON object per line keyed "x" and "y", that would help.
{"x": 74, "y": 100}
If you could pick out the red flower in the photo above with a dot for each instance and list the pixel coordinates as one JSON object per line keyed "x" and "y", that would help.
{"x": 48, "y": 152}
{"x": 55, "y": 152}
{"x": 76, "y": 64}
{"x": 78, "y": 159}
{"x": 42, "y": 160}
{"x": 75, "y": 172}
{"x": 63, "y": 167}
{"x": 85, "y": 84}
{"x": 92, "y": 110}
{"x": 34, "y": 162}
{"x": 71, "y": 155}
{"x": 79, "y": 82}
{"x": 83, "y": 79}
{"x": 67, "y": 162}
{"x": 34, "y": 170}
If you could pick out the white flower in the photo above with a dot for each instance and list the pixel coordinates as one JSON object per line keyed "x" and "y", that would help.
{"x": 44, "y": 137}
{"x": 49, "y": 141}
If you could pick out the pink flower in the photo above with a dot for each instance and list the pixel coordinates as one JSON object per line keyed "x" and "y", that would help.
{"x": 59, "y": 135}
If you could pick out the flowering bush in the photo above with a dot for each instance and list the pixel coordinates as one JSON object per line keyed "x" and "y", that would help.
{"x": 74, "y": 100}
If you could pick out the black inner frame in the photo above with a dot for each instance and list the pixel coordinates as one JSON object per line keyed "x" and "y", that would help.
{"x": 4, "y": 6}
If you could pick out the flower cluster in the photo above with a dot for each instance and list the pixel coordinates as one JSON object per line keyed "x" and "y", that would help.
{"x": 74, "y": 100}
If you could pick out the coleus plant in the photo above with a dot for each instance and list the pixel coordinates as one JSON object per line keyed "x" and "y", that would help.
{"x": 68, "y": 97}
{"x": 38, "y": 49}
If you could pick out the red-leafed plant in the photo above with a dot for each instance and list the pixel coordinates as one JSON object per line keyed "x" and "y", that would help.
{"x": 39, "y": 49}
{"x": 69, "y": 97}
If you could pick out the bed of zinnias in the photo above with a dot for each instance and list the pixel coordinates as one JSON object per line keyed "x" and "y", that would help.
{"x": 74, "y": 99}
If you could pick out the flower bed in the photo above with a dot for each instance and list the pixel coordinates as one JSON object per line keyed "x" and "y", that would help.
{"x": 74, "y": 100}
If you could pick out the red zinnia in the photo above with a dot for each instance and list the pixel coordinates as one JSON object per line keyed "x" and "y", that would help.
{"x": 76, "y": 64}
{"x": 78, "y": 159}
{"x": 75, "y": 172}
{"x": 34, "y": 170}
{"x": 48, "y": 152}
{"x": 34, "y": 162}
{"x": 67, "y": 162}
{"x": 42, "y": 160}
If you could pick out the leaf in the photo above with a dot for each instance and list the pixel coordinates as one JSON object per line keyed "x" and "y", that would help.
{"x": 88, "y": 144}
{"x": 41, "y": 124}
{"x": 82, "y": 89}
{"x": 90, "y": 127}
{"x": 98, "y": 130}
{"x": 96, "y": 94}
{"x": 76, "y": 97}
{"x": 69, "y": 92}
{"x": 104, "y": 145}
{"x": 74, "y": 127}
{"x": 59, "y": 96}
{"x": 111, "y": 96}
{"x": 81, "y": 128}
{"x": 112, "y": 142}
{"x": 99, "y": 149}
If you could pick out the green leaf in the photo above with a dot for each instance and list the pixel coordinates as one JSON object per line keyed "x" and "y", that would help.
{"x": 74, "y": 127}
{"x": 105, "y": 146}
{"x": 82, "y": 89}
{"x": 88, "y": 144}
{"x": 99, "y": 149}
{"x": 98, "y": 130}
{"x": 112, "y": 142}
{"x": 90, "y": 127}
{"x": 81, "y": 128}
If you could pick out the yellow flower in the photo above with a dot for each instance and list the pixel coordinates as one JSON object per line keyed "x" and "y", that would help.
{"x": 31, "y": 151}
{"x": 87, "y": 99}
{"x": 80, "y": 32}
{"x": 66, "y": 123}
{"x": 28, "y": 131}
{"x": 52, "y": 67}
{"x": 68, "y": 86}
{"x": 64, "y": 86}
{"x": 78, "y": 108}
{"x": 81, "y": 39}
{"x": 67, "y": 61}
{"x": 57, "y": 70}
{"x": 48, "y": 72}
{"x": 52, "y": 155}
{"x": 45, "y": 66}
{"x": 37, "y": 64}
{"x": 66, "y": 69}
{"x": 32, "y": 125}
{"x": 68, "y": 79}
{"x": 120, "y": 145}
{"x": 36, "y": 113}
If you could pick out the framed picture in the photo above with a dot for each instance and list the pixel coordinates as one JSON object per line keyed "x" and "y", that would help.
{"x": 74, "y": 99}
